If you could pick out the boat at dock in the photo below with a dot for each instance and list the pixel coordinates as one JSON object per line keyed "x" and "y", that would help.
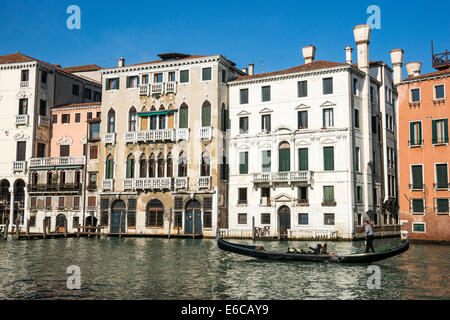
{"x": 260, "y": 253}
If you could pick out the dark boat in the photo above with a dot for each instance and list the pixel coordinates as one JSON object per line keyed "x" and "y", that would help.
{"x": 260, "y": 253}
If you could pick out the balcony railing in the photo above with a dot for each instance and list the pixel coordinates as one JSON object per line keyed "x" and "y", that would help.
{"x": 24, "y": 84}
{"x": 148, "y": 184}
{"x": 181, "y": 183}
{"x": 43, "y": 121}
{"x": 108, "y": 184}
{"x": 22, "y": 119}
{"x": 110, "y": 138}
{"x": 204, "y": 182}
{"x": 60, "y": 161}
{"x": 54, "y": 187}
{"x": 205, "y": 133}
{"x": 157, "y": 88}
{"x": 292, "y": 176}
{"x": 156, "y": 135}
{"x": 19, "y": 166}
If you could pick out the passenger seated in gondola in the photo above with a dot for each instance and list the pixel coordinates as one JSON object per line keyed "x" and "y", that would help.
{"x": 316, "y": 250}
{"x": 324, "y": 249}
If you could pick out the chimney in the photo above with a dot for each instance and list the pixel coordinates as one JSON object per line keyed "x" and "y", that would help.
{"x": 251, "y": 69}
{"x": 413, "y": 68}
{"x": 348, "y": 55}
{"x": 245, "y": 70}
{"x": 121, "y": 62}
{"x": 397, "y": 64}
{"x": 309, "y": 53}
{"x": 362, "y": 39}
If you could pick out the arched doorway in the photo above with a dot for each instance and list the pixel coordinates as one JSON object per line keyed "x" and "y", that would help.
{"x": 91, "y": 221}
{"x": 118, "y": 217}
{"x": 19, "y": 200}
{"x": 193, "y": 217}
{"x": 60, "y": 223}
{"x": 154, "y": 215}
{"x": 5, "y": 198}
{"x": 284, "y": 214}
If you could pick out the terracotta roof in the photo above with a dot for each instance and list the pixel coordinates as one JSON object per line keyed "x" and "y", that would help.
{"x": 85, "y": 104}
{"x": 88, "y": 67}
{"x": 429, "y": 75}
{"x": 319, "y": 64}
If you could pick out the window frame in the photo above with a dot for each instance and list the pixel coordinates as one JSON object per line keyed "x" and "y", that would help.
{"x": 434, "y": 92}
{"x": 411, "y": 95}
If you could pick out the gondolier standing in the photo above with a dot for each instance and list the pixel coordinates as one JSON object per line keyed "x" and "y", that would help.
{"x": 369, "y": 236}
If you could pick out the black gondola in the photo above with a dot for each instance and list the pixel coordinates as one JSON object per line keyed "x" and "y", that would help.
{"x": 260, "y": 253}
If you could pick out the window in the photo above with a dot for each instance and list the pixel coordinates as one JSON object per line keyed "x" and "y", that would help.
{"x": 89, "y": 115}
{"x": 244, "y": 96}
{"x": 440, "y": 131}
{"x": 303, "y": 195}
{"x": 416, "y": 177}
{"x": 33, "y": 202}
{"x": 328, "y": 219}
{"x": 64, "y": 150}
{"x": 155, "y": 214}
{"x": 266, "y": 161}
{"x": 48, "y": 203}
{"x": 359, "y": 195}
{"x": 374, "y": 124}
{"x": 417, "y": 205}
{"x": 183, "y": 121}
{"x": 265, "y": 93}
{"x": 357, "y": 159}
{"x": 327, "y": 85}
{"x": 284, "y": 157}
{"x": 65, "y": 118}
{"x": 172, "y": 76}
{"x": 242, "y": 195}
{"x": 265, "y": 196}
{"x": 178, "y": 223}
{"x": 92, "y": 180}
{"x": 242, "y": 218}
{"x": 371, "y": 95}
{"x": 40, "y": 150}
{"x": 25, "y": 75}
{"x": 302, "y": 87}
{"x": 442, "y": 205}
{"x": 439, "y": 92}
{"x": 206, "y": 114}
{"x": 206, "y": 165}
{"x": 109, "y": 168}
{"x": 302, "y": 119}
{"x": 415, "y": 133}
{"x": 87, "y": 93}
{"x": 206, "y": 74}
{"x": 182, "y": 165}
{"x": 98, "y": 114}
{"x": 97, "y": 96}
{"x": 441, "y": 176}
{"x": 76, "y": 203}
{"x": 355, "y": 87}
{"x": 131, "y": 216}
{"x": 92, "y": 201}
{"x": 418, "y": 227}
{"x": 303, "y": 218}
{"x": 224, "y": 76}
{"x": 265, "y": 218}
{"x": 132, "y": 81}
{"x": 243, "y": 163}
{"x": 77, "y": 117}
{"x": 356, "y": 118}
{"x": 415, "y": 95}
{"x": 94, "y": 131}
{"x": 112, "y": 84}
{"x": 303, "y": 159}
{"x": 132, "y": 119}
{"x": 184, "y": 76}
{"x": 130, "y": 167}
{"x": 328, "y": 118}
{"x": 44, "y": 77}
{"x": 21, "y": 150}
{"x": 328, "y": 158}
{"x": 61, "y": 202}
{"x": 43, "y": 108}
{"x": 111, "y": 121}
{"x": 265, "y": 126}
{"x": 158, "y": 78}
{"x": 328, "y": 194}
{"x": 23, "y": 106}
{"x": 243, "y": 125}
{"x": 207, "y": 220}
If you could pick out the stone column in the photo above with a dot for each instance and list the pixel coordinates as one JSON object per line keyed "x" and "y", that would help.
{"x": 11, "y": 209}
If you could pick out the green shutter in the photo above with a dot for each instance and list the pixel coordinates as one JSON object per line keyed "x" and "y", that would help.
{"x": 433, "y": 128}
{"x": 206, "y": 116}
{"x": 420, "y": 133}
{"x": 183, "y": 118}
{"x": 441, "y": 175}
{"x": 411, "y": 133}
{"x": 303, "y": 159}
{"x": 109, "y": 169}
{"x": 417, "y": 177}
{"x": 108, "y": 85}
{"x": 184, "y": 76}
{"x": 284, "y": 156}
{"x": 129, "y": 168}
{"x": 328, "y": 157}
{"x": 128, "y": 82}
{"x": 446, "y": 130}
{"x": 328, "y": 193}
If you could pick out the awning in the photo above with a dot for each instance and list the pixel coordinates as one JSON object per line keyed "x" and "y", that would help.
{"x": 155, "y": 113}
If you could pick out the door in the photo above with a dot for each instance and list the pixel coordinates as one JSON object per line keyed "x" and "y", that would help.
{"x": 193, "y": 217}
{"x": 118, "y": 217}
{"x": 285, "y": 218}
{"x": 60, "y": 223}
{"x": 188, "y": 222}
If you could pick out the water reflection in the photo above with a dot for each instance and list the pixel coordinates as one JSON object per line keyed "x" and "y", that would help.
{"x": 145, "y": 268}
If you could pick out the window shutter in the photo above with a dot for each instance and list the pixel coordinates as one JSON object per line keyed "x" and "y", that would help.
{"x": 303, "y": 159}
{"x": 328, "y": 155}
{"x": 284, "y": 160}
{"x": 420, "y": 133}
{"x": 129, "y": 168}
{"x": 206, "y": 116}
{"x": 441, "y": 175}
{"x": 183, "y": 117}
{"x": 417, "y": 177}
{"x": 411, "y": 133}
{"x": 433, "y": 127}
{"x": 128, "y": 82}
{"x": 243, "y": 163}
{"x": 108, "y": 84}
{"x": 446, "y": 130}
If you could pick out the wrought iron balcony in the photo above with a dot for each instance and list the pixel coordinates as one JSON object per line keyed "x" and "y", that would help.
{"x": 58, "y": 161}
{"x": 19, "y": 166}
{"x": 22, "y": 119}
{"x": 279, "y": 177}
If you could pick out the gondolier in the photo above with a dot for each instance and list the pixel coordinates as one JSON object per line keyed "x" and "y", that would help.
{"x": 369, "y": 236}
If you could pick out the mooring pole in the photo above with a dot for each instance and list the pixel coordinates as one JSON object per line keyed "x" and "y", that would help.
{"x": 170, "y": 221}
{"x": 120, "y": 226}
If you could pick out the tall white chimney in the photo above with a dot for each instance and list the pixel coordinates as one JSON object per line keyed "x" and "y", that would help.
{"x": 362, "y": 39}
{"x": 397, "y": 64}
{"x": 348, "y": 55}
{"x": 121, "y": 62}
{"x": 251, "y": 69}
{"x": 413, "y": 68}
{"x": 309, "y": 53}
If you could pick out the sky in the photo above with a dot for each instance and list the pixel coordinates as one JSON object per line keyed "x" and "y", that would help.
{"x": 269, "y": 34}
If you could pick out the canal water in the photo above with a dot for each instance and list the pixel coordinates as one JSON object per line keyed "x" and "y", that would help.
{"x": 151, "y": 268}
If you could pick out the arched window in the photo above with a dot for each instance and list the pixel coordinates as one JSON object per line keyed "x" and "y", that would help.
{"x": 183, "y": 116}
{"x": 169, "y": 169}
{"x": 224, "y": 117}
{"x": 206, "y": 114}
{"x": 160, "y": 165}
{"x": 109, "y": 167}
{"x": 111, "y": 121}
{"x": 143, "y": 167}
{"x": 284, "y": 157}
{"x": 130, "y": 167}
{"x": 162, "y": 119}
{"x": 206, "y": 164}
{"x": 153, "y": 120}
{"x": 62, "y": 178}
{"x": 154, "y": 214}
{"x": 132, "y": 119}
{"x": 182, "y": 165}
{"x": 151, "y": 167}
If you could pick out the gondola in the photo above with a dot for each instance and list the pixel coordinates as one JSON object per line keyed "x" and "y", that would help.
{"x": 260, "y": 253}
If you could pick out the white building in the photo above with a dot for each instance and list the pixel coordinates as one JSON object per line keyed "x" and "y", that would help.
{"x": 302, "y": 145}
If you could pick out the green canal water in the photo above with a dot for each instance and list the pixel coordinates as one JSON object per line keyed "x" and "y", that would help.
{"x": 149, "y": 268}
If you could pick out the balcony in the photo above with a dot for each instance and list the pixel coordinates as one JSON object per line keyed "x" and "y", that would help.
{"x": 24, "y": 84}
{"x": 204, "y": 182}
{"x": 60, "y": 161}
{"x": 181, "y": 183}
{"x": 22, "y": 119}
{"x": 157, "y": 88}
{"x": 280, "y": 177}
{"x": 43, "y": 121}
{"x": 108, "y": 184}
{"x": 205, "y": 133}
{"x": 109, "y": 138}
{"x": 55, "y": 187}
{"x": 156, "y": 135}
{"x": 19, "y": 166}
{"x": 148, "y": 184}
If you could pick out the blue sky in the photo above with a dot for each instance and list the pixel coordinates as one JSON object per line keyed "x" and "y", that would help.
{"x": 267, "y": 33}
